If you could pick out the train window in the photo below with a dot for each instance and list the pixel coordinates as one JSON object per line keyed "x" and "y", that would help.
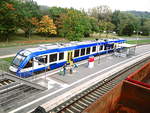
{"x": 100, "y": 47}
{"x": 94, "y": 49}
{"x": 53, "y": 57}
{"x": 76, "y": 53}
{"x": 82, "y": 51}
{"x": 88, "y": 50}
{"x": 110, "y": 46}
{"x": 42, "y": 59}
{"x": 29, "y": 64}
{"x": 61, "y": 56}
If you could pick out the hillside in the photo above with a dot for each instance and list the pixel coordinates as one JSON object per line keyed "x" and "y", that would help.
{"x": 144, "y": 14}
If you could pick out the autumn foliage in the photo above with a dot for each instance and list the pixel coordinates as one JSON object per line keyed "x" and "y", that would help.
{"x": 46, "y": 26}
{"x": 69, "y": 23}
{"x": 10, "y": 6}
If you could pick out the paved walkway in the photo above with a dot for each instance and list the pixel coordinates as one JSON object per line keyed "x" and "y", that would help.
{"x": 13, "y": 50}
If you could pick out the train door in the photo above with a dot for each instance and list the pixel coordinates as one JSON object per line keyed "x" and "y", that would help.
{"x": 69, "y": 56}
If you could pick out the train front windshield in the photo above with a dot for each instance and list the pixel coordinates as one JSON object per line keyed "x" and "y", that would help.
{"x": 17, "y": 60}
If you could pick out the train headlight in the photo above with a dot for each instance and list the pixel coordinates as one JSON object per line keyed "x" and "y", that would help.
{"x": 13, "y": 69}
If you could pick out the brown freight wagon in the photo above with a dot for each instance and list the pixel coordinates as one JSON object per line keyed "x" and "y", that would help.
{"x": 130, "y": 96}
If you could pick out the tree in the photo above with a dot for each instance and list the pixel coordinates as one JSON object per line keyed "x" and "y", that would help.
{"x": 87, "y": 25}
{"x": 74, "y": 25}
{"x": 8, "y": 18}
{"x": 106, "y": 26}
{"x": 125, "y": 21}
{"x": 101, "y": 13}
{"x": 94, "y": 24}
{"x": 55, "y": 12}
{"x": 116, "y": 20}
{"x": 128, "y": 29}
{"x": 146, "y": 28}
{"x": 28, "y": 13}
{"x": 46, "y": 26}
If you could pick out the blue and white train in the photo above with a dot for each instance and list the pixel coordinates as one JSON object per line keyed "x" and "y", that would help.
{"x": 51, "y": 56}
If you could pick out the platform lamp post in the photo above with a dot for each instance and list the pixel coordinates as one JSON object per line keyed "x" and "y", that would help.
{"x": 114, "y": 33}
{"x": 141, "y": 33}
{"x": 137, "y": 32}
{"x": 104, "y": 32}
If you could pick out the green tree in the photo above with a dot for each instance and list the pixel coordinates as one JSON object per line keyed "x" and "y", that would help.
{"x": 125, "y": 21}
{"x": 116, "y": 20}
{"x": 146, "y": 28}
{"x": 28, "y": 11}
{"x": 106, "y": 26}
{"x": 8, "y": 18}
{"x": 128, "y": 29}
{"x": 87, "y": 25}
{"x": 94, "y": 24}
{"x": 55, "y": 12}
{"x": 73, "y": 25}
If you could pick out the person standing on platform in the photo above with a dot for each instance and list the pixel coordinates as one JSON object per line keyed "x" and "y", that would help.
{"x": 71, "y": 66}
{"x": 64, "y": 69}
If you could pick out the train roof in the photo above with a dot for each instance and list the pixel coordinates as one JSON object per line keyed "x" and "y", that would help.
{"x": 44, "y": 47}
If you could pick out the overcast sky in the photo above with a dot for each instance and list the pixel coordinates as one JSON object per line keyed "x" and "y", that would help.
{"x": 139, "y": 5}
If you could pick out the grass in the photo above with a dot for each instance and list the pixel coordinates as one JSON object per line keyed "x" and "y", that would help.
{"x": 147, "y": 41}
{"x": 5, "y": 63}
{"x": 9, "y": 59}
{"x": 6, "y": 60}
{"x": 19, "y": 39}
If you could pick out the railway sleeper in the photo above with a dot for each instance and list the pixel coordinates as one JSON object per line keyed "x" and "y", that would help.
{"x": 95, "y": 94}
{"x": 11, "y": 93}
{"x": 87, "y": 101}
{"x": 69, "y": 110}
{"x": 75, "y": 108}
{"x": 80, "y": 106}
{"x": 18, "y": 98}
{"x": 15, "y": 93}
{"x": 13, "y": 89}
{"x": 112, "y": 83}
{"x": 82, "y": 103}
{"x": 4, "y": 99}
{"x": 101, "y": 91}
{"x": 11, "y": 101}
{"x": 67, "y": 103}
{"x": 98, "y": 93}
{"x": 92, "y": 96}
{"x": 107, "y": 88}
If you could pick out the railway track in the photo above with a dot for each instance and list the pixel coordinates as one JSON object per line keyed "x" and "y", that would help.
{"x": 13, "y": 96}
{"x": 80, "y": 102}
{"x": 4, "y": 82}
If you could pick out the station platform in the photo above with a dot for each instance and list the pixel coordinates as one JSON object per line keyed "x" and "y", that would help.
{"x": 58, "y": 84}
